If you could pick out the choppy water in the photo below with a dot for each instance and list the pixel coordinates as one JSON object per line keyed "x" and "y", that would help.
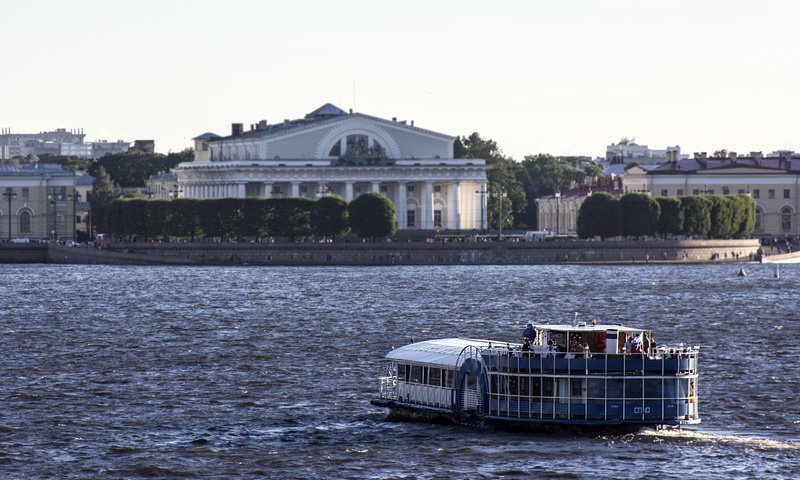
{"x": 143, "y": 372}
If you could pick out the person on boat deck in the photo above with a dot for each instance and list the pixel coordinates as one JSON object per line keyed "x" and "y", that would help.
{"x": 529, "y": 333}
{"x": 526, "y": 345}
{"x": 586, "y": 353}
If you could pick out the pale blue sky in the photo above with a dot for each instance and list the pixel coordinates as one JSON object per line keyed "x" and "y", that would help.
{"x": 556, "y": 76}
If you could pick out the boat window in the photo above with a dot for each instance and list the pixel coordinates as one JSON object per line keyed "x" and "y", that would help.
{"x": 435, "y": 377}
{"x": 402, "y": 372}
{"x": 669, "y": 388}
{"x": 576, "y": 387}
{"x": 561, "y": 340}
{"x": 524, "y": 387}
{"x": 596, "y": 388}
{"x": 416, "y": 374}
{"x": 547, "y": 387}
{"x": 451, "y": 378}
{"x": 615, "y": 388}
{"x": 633, "y": 388}
{"x": 652, "y": 388}
{"x": 536, "y": 387}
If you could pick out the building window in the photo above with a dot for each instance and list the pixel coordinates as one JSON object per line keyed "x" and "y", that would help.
{"x": 756, "y": 193}
{"x": 771, "y": 193}
{"x": 437, "y": 218}
{"x": 358, "y": 189}
{"x": 759, "y": 219}
{"x": 437, "y": 188}
{"x": 25, "y": 193}
{"x": 411, "y": 218}
{"x": 696, "y": 192}
{"x": 664, "y": 192}
{"x": 785, "y": 193}
{"x": 25, "y": 222}
{"x": 276, "y": 189}
{"x": 710, "y": 191}
{"x": 741, "y": 191}
{"x": 384, "y": 188}
{"x": 726, "y": 191}
{"x": 680, "y": 192}
{"x": 303, "y": 189}
{"x": 786, "y": 219}
{"x": 410, "y": 189}
{"x": 336, "y": 150}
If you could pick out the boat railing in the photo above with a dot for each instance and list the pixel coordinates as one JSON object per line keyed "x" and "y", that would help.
{"x": 655, "y": 386}
{"x": 389, "y": 387}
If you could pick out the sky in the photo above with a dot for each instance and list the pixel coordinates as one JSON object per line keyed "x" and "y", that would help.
{"x": 566, "y": 77}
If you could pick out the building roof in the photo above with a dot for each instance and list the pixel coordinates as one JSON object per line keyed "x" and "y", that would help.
{"x": 442, "y": 351}
{"x": 34, "y": 168}
{"x": 700, "y": 163}
{"x": 327, "y": 113}
{"x": 84, "y": 181}
{"x": 207, "y": 136}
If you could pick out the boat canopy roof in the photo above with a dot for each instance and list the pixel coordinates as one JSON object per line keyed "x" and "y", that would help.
{"x": 441, "y": 351}
{"x": 588, "y": 328}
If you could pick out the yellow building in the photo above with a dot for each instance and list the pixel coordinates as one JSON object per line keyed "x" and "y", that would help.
{"x": 773, "y": 182}
{"x": 37, "y": 203}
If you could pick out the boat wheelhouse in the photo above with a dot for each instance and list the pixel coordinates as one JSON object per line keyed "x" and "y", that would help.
{"x": 608, "y": 376}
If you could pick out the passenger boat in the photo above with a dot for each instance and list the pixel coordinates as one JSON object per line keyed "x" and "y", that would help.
{"x": 584, "y": 377}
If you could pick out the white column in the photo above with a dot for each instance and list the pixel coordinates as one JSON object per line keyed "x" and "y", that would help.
{"x": 295, "y": 189}
{"x": 400, "y": 206}
{"x": 240, "y": 190}
{"x": 376, "y": 187}
{"x": 455, "y": 205}
{"x": 427, "y": 216}
{"x": 267, "y": 190}
{"x": 348, "y": 191}
{"x": 483, "y": 195}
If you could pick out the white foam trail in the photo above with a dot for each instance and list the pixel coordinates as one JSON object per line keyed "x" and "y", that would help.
{"x": 758, "y": 443}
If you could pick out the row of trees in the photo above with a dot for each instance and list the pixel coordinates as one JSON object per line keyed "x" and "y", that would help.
{"x": 369, "y": 215}
{"x": 636, "y": 215}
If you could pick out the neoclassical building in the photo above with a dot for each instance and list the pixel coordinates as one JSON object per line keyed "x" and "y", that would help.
{"x": 331, "y": 151}
{"x": 37, "y": 201}
{"x": 773, "y": 182}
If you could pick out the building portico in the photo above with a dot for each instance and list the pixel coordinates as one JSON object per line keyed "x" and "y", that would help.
{"x": 412, "y": 167}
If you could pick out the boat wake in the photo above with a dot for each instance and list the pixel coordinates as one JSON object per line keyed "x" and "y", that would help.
{"x": 693, "y": 436}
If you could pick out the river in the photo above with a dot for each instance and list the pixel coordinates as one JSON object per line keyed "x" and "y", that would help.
{"x": 252, "y": 372}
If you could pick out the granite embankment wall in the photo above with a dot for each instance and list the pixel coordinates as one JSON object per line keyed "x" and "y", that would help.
{"x": 469, "y": 253}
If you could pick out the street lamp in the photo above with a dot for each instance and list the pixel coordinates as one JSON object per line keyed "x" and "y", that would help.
{"x": 558, "y": 212}
{"x": 500, "y": 194}
{"x": 75, "y": 196}
{"x": 53, "y": 198}
{"x": 9, "y": 194}
{"x": 482, "y": 192}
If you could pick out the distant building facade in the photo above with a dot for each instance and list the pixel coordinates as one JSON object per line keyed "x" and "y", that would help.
{"x": 628, "y": 151}
{"x": 330, "y": 151}
{"x": 772, "y": 181}
{"x": 558, "y": 213}
{"x": 162, "y": 185}
{"x": 38, "y": 202}
{"x": 63, "y": 142}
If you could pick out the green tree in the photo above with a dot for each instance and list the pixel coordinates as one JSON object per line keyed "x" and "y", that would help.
{"x": 502, "y": 178}
{"x": 746, "y": 207}
{"x": 600, "y": 215}
{"x": 254, "y": 215}
{"x": 184, "y": 218}
{"x": 372, "y": 215}
{"x": 696, "y": 215}
{"x": 639, "y": 214}
{"x": 592, "y": 171}
{"x": 104, "y": 192}
{"x": 330, "y": 217}
{"x": 723, "y": 211}
{"x": 132, "y": 169}
{"x": 542, "y": 175}
{"x": 670, "y": 220}
{"x": 290, "y": 217}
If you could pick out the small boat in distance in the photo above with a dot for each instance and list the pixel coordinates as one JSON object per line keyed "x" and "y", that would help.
{"x": 563, "y": 377}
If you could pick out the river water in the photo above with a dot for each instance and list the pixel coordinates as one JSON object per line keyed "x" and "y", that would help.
{"x": 195, "y": 372}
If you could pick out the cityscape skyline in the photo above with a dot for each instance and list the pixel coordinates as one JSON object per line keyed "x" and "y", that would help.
{"x": 565, "y": 78}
